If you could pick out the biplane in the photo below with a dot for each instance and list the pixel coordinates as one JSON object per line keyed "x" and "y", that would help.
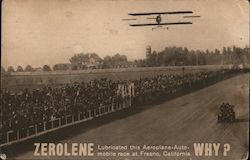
{"x": 158, "y": 19}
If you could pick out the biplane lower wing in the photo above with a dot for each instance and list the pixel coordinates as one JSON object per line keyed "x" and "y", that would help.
{"x": 161, "y": 24}
{"x": 191, "y": 16}
{"x": 158, "y": 13}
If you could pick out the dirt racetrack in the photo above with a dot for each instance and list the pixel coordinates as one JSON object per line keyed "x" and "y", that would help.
{"x": 185, "y": 120}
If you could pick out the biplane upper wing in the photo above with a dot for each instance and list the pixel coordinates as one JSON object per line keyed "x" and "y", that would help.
{"x": 144, "y": 14}
{"x": 156, "y": 24}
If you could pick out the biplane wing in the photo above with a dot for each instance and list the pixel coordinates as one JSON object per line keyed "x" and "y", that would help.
{"x": 156, "y": 24}
{"x": 191, "y": 16}
{"x": 158, "y": 13}
{"x": 129, "y": 19}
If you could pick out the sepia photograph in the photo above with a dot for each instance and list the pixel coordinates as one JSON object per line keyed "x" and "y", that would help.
{"x": 125, "y": 80}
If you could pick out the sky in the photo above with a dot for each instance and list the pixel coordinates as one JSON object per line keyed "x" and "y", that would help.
{"x": 39, "y": 32}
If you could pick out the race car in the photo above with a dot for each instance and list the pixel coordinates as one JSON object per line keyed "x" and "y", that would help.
{"x": 226, "y": 113}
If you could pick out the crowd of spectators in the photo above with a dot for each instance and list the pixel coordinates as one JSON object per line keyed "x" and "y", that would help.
{"x": 31, "y": 107}
{"x": 158, "y": 87}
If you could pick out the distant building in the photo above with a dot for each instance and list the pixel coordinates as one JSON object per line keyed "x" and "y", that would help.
{"x": 92, "y": 63}
{"x": 148, "y": 51}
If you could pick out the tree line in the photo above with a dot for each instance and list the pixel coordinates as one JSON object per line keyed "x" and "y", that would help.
{"x": 170, "y": 56}
{"x": 28, "y": 68}
{"x": 178, "y": 56}
{"x": 79, "y": 61}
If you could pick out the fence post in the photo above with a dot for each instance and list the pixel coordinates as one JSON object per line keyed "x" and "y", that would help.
{"x": 44, "y": 126}
{"x": 89, "y": 113}
{"x": 111, "y": 106}
{"x": 100, "y": 111}
{"x": 52, "y": 124}
{"x": 17, "y": 134}
{"x": 8, "y": 137}
{"x": 35, "y": 129}
{"x": 60, "y": 121}
{"x": 28, "y": 132}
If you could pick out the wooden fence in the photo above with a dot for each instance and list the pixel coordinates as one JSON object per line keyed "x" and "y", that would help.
{"x": 15, "y": 136}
